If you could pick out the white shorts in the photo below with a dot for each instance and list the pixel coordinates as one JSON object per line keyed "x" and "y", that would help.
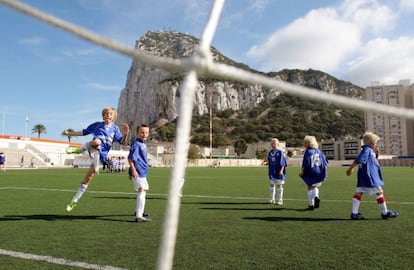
{"x": 319, "y": 184}
{"x": 369, "y": 190}
{"x": 277, "y": 181}
{"x": 140, "y": 183}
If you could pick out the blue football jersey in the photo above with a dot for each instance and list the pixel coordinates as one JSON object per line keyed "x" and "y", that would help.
{"x": 107, "y": 134}
{"x": 314, "y": 166}
{"x": 369, "y": 170}
{"x": 276, "y": 160}
{"x": 139, "y": 155}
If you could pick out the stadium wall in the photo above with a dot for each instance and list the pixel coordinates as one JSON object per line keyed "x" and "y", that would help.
{"x": 44, "y": 153}
{"x": 35, "y": 152}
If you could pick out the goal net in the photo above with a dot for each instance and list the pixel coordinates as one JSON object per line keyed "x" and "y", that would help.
{"x": 200, "y": 63}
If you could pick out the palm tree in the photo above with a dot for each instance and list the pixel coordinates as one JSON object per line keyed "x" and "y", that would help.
{"x": 70, "y": 130}
{"x": 39, "y": 129}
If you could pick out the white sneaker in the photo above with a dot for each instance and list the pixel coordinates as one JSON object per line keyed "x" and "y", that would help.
{"x": 272, "y": 201}
{"x": 279, "y": 202}
{"x": 143, "y": 219}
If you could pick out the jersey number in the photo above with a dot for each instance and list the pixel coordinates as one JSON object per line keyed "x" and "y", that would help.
{"x": 315, "y": 160}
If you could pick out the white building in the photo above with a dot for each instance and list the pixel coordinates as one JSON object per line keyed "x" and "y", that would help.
{"x": 397, "y": 134}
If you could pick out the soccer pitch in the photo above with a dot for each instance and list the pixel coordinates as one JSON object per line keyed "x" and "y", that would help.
{"x": 225, "y": 222}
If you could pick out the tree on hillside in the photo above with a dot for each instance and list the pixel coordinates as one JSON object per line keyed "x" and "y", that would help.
{"x": 240, "y": 147}
{"x": 261, "y": 154}
{"x": 193, "y": 152}
{"x": 39, "y": 129}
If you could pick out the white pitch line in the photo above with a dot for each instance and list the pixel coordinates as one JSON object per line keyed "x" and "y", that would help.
{"x": 59, "y": 261}
{"x": 66, "y": 190}
{"x": 195, "y": 196}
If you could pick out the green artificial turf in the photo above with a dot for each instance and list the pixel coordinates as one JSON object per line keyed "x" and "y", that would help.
{"x": 225, "y": 221}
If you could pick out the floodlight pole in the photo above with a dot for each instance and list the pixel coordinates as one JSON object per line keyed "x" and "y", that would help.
{"x": 25, "y": 130}
{"x": 3, "y": 123}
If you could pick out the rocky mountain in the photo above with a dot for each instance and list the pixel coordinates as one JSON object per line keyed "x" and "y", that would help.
{"x": 152, "y": 96}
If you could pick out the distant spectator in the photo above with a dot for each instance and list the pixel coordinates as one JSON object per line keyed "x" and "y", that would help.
{"x": 2, "y": 161}
{"x": 106, "y": 164}
{"x": 32, "y": 162}
{"x": 121, "y": 164}
{"x": 22, "y": 162}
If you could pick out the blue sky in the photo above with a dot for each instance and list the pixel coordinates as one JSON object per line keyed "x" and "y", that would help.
{"x": 60, "y": 81}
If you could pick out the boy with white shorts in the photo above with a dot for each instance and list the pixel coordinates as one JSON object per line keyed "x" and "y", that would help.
{"x": 138, "y": 171}
{"x": 369, "y": 178}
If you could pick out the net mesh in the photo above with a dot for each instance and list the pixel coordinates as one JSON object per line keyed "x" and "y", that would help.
{"x": 200, "y": 63}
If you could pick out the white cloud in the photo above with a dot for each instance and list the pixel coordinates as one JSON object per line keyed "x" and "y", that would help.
{"x": 196, "y": 11}
{"x": 368, "y": 15}
{"x": 320, "y": 40}
{"x": 384, "y": 60}
{"x": 259, "y": 5}
{"x": 91, "y": 55}
{"x": 407, "y": 5}
{"x": 358, "y": 41}
{"x": 32, "y": 41}
{"x": 85, "y": 52}
{"x": 236, "y": 11}
{"x": 104, "y": 87}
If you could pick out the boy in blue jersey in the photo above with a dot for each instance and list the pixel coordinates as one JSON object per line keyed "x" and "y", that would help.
{"x": 369, "y": 177}
{"x": 104, "y": 134}
{"x": 313, "y": 170}
{"x": 138, "y": 171}
{"x": 276, "y": 162}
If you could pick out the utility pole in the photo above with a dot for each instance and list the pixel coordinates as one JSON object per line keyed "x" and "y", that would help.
{"x": 3, "y": 123}
{"x": 25, "y": 130}
{"x": 211, "y": 127}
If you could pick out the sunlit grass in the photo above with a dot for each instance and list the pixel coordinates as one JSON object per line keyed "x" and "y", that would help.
{"x": 225, "y": 221}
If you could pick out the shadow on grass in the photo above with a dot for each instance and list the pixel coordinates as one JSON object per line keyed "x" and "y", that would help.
{"x": 249, "y": 209}
{"x": 231, "y": 203}
{"x": 219, "y": 204}
{"x": 65, "y": 217}
{"x": 317, "y": 219}
{"x": 259, "y": 207}
{"x": 132, "y": 197}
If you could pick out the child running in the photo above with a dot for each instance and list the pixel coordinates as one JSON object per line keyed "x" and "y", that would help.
{"x": 104, "y": 134}
{"x": 2, "y": 162}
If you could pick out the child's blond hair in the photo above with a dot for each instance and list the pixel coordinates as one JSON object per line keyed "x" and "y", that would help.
{"x": 370, "y": 138}
{"x": 311, "y": 140}
{"x": 107, "y": 109}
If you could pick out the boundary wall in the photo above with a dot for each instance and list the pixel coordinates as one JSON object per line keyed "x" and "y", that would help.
{"x": 44, "y": 153}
